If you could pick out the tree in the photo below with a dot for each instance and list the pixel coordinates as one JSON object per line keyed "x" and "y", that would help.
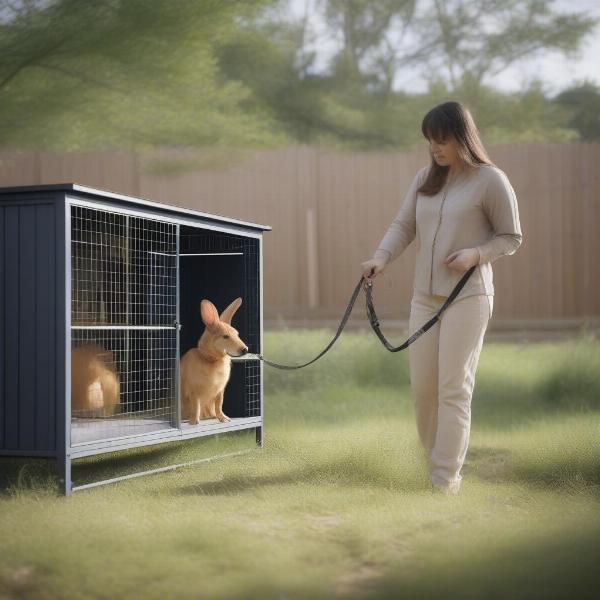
{"x": 459, "y": 41}
{"x": 369, "y": 51}
{"x": 127, "y": 74}
{"x": 478, "y": 39}
{"x": 264, "y": 57}
{"x": 582, "y": 101}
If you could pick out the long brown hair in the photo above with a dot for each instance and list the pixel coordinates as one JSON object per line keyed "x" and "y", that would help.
{"x": 445, "y": 120}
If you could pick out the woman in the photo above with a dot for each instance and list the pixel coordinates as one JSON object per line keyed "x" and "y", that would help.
{"x": 463, "y": 212}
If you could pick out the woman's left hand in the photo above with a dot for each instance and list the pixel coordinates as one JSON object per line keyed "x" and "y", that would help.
{"x": 463, "y": 260}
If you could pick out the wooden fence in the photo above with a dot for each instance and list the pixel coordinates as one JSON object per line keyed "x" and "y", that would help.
{"x": 329, "y": 211}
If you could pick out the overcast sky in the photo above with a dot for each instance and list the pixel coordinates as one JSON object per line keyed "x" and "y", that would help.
{"x": 556, "y": 71}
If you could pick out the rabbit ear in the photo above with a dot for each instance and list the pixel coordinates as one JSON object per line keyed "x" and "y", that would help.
{"x": 208, "y": 312}
{"x": 228, "y": 313}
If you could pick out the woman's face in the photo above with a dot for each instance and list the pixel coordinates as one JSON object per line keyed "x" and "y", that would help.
{"x": 445, "y": 152}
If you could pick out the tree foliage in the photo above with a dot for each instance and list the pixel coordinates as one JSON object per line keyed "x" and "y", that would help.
{"x": 126, "y": 74}
{"x": 223, "y": 75}
{"x": 582, "y": 102}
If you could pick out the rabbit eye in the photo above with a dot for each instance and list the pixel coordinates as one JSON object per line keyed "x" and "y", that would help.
{"x": 226, "y": 337}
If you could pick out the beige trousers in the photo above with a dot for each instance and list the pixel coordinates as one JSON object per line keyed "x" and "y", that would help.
{"x": 443, "y": 362}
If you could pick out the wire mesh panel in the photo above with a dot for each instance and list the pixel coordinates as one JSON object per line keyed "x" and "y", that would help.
{"x": 252, "y": 388}
{"x": 123, "y": 269}
{"x": 122, "y": 382}
{"x": 99, "y": 263}
{"x": 123, "y": 324}
{"x": 153, "y": 272}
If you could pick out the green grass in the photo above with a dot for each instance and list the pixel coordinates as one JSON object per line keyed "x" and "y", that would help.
{"x": 337, "y": 504}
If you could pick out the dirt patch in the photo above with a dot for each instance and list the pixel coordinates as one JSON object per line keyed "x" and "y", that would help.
{"x": 489, "y": 464}
{"x": 19, "y": 582}
{"x": 361, "y": 578}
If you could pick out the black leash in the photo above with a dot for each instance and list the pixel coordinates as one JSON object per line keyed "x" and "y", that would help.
{"x": 374, "y": 322}
{"x": 337, "y": 335}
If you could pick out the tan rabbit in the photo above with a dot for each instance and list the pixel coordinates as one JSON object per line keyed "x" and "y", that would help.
{"x": 205, "y": 369}
{"x": 94, "y": 381}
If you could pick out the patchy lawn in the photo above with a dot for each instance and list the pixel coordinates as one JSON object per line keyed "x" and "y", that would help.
{"x": 337, "y": 504}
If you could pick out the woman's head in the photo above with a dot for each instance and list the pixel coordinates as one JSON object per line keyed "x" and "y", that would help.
{"x": 453, "y": 142}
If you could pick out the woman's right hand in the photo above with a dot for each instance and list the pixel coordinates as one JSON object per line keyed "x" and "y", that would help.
{"x": 372, "y": 268}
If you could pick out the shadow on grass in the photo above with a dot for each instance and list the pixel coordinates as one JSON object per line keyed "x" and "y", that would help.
{"x": 150, "y": 457}
{"x": 568, "y": 473}
{"x": 23, "y": 473}
{"x": 506, "y": 401}
{"x": 489, "y": 464}
{"x": 492, "y": 465}
{"x": 27, "y": 473}
{"x": 340, "y": 472}
{"x": 503, "y": 465}
{"x": 540, "y": 566}
{"x": 32, "y": 473}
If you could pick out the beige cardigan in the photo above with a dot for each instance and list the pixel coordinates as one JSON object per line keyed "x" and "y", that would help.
{"x": 478, "y": 209}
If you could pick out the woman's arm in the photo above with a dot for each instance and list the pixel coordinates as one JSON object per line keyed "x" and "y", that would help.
{"x": 500, "y": 206}
{"x": 402, "y": 229}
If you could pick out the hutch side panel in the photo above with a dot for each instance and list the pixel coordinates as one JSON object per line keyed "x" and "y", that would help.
{"x": 30, "y": 365}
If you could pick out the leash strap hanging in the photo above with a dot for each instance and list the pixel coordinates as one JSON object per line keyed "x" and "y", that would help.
{"x": 337, "y": 335}
{"x": 374, "y": 321}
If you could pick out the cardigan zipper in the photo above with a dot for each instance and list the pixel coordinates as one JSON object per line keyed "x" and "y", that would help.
{"x": 433, "y": 243}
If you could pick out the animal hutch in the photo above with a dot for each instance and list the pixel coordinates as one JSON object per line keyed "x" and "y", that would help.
{"x": 83, "y": 268}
